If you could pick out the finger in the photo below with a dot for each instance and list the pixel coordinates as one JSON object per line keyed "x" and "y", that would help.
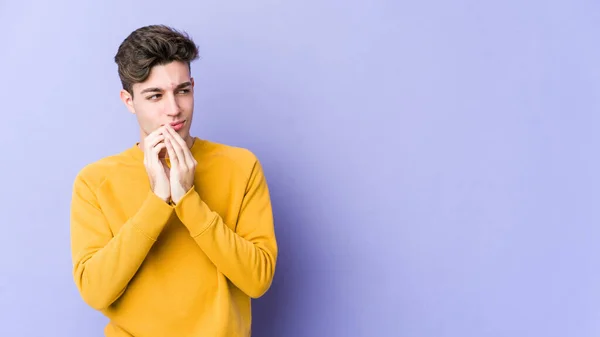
{"x": 189, "y": 158}
{"x": 155, "y": 133}
{"x": 154, "y": 138}
{"x": 172, "y": 154}
{"x": 151, "y": 141}
{"x": 156, "y": 150}
{"x": 151, "y": 158}
{"x": 185, "y": 154}
{"x": 176, "y": 147}
{"x": 176, "y": 136}
{"x": 154, "y": 141}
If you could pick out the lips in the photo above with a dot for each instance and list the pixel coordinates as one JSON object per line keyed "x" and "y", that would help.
{"x": 177, "y": 125}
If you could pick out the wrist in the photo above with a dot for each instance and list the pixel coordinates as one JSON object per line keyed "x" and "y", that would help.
{"x": 166, "y": 199}
{"x": 180, "y": 193}
{"x": 177, "y": 198}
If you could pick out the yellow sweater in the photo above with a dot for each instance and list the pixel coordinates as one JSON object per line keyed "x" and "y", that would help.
{"x": 190, "y": 269}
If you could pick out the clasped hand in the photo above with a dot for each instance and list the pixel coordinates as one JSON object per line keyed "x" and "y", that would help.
{"x": 174, "y": 182}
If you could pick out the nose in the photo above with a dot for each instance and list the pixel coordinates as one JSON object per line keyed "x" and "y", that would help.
{"x": 171, "y": 106}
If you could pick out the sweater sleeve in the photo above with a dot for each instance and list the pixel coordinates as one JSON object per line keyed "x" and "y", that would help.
{"x": 103, "y": 263}
{"x": 246, "y": 256}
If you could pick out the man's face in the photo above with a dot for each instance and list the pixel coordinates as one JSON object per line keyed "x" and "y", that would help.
{"x": 166, "y": 97}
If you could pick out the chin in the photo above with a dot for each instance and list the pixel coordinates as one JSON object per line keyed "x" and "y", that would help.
{"x": 185, "y": 134}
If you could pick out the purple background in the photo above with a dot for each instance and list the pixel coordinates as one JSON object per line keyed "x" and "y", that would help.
{"x": 433, "y": 164}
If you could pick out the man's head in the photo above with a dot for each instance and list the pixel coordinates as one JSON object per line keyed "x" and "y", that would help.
{"x": 154, "y": 68}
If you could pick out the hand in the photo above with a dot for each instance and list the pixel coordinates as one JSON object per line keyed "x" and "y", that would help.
{"x": 183, "y": 164}
{"x": 156, "y": 167}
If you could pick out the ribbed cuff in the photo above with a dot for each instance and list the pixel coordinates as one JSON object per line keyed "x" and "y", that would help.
{"x": 194, "y": 213}
{"x": 152, "y": 216}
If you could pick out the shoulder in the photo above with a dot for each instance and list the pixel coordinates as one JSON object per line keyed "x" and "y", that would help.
{"x": 228, "y": 154}
{"x": 236, "y": 160}
{"x": 96, "y": 172}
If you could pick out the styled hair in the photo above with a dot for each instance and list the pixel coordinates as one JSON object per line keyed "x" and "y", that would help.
{"x": 149, "y": 46}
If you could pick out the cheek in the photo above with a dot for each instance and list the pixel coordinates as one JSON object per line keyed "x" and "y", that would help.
{"x": 148, "y": 115}
{"x": 186, "y": 103}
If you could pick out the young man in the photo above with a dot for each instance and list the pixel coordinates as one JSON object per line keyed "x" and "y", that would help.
{"x": 173, "y": 236}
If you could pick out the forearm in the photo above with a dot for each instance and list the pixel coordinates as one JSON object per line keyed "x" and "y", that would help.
{"x": 247, "y": 258}
{"x": 102, "y": 270}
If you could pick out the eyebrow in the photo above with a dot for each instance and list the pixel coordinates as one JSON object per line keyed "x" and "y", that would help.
{"x": 180, "y": 86}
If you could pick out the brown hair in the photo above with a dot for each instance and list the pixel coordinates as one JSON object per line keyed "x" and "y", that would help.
{"x": 149, "y": 46}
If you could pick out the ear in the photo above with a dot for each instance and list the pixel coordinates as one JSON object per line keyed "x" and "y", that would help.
{"x": 192, "y": 80}
{"x": 127, "y": 100}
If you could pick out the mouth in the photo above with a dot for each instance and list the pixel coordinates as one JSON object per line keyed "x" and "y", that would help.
{"x": 177, "y": 125}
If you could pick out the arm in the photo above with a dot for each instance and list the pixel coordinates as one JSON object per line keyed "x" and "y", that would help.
{"x": 246, "y": 256}
{"x": 103, "y": 265}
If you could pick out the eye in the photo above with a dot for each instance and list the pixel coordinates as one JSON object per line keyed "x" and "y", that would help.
{"x": 153, "y": 97}
{"x": 184, "y": 91}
